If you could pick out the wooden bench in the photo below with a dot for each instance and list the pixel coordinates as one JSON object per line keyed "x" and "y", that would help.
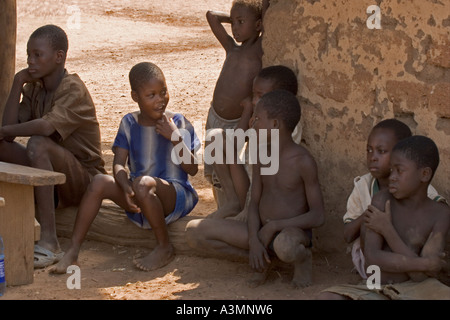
{"x": 17, "y": 218}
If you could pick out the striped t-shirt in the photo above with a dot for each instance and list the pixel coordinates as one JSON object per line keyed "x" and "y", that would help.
{"x": 149, "y": 153}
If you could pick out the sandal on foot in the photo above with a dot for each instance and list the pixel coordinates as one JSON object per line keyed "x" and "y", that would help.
{"x": 44, "y": 258}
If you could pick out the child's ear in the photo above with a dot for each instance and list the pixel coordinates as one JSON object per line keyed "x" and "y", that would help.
{"x": 259, "y": 25}
{"x": 60, "y": 56}
{"x": 134, "y": 96}
{"x": 275, "y": 124}
{"x": 426, "y": 174}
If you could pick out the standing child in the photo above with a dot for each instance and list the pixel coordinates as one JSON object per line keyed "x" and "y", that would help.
{"x": 55, "y": 110}
{"x": 284, "y": 207}
{"x": 242, "y": 64}
{"x": 408, "y": 246}
{"x": 157, "y": 190}
{"x": 382, "y": 139}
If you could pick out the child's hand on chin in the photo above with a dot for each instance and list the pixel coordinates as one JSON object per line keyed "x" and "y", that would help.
{"x": 165, "y": 127}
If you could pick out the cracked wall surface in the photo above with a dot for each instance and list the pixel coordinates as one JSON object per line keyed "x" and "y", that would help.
{"x": 352, "y": 77}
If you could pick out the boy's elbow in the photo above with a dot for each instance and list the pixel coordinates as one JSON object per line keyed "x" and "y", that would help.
{"x": 209, "y": 15}
{"x": 44, "y": 128}
{"x": 349, "y": 236}
{"x": 193, "y": 170}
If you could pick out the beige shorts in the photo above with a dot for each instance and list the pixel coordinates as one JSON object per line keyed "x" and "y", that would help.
{"x": 214, "y": 121}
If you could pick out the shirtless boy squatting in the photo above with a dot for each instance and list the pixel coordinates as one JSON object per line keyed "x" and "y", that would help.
{"x": 283, "y": 207}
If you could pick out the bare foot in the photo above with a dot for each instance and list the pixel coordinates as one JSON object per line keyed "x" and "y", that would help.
{"x": 241, "y": 216}
{"x": 158, "y": 258}
{"x": 303, "y": 270}
{"x": 70, "y": 258}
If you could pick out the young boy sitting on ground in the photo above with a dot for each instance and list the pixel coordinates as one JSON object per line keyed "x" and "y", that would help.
{"x": 157, "y": 190}
{"x": 284, "y": 207}
{"x": 382, "y": 139}
{"x": 408, "y": 246}
{"x": 242, "y": 64}
{"x": 58, "y": 114}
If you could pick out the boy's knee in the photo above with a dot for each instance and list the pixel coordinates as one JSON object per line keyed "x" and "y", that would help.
{"x": 98, "y": 183}
{"x": 142, "y": 186}
{"x": 38, "y": 146}
{"x": 193, "y": 233}
{"x": 289, "y": 245}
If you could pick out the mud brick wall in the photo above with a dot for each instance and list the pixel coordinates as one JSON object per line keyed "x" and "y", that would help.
{"x": 351, "y": 77}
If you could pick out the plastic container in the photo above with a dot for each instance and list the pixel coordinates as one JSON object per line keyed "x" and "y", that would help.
{"x": 2, "y": 269}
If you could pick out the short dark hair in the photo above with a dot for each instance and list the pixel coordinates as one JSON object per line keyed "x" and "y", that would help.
{"x": 283, "y": 105}
{"x": 400, "y": 129}
{"x": 254, "y": 5}
{"x": 420, "y": 149}
{"x": 143, "y": 72}
{"x": 56, "y": 36}
{"x": 282, "y": 77}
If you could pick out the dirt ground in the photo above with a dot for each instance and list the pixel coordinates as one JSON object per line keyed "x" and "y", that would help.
{"x": 113, "y": 35}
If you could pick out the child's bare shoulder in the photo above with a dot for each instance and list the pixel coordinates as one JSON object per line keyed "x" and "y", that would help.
{"x": 440, "y": 209}
{"x": 438, "y": 214}
{"x": 379, "y": 199}
{"x": 302, "y": 151}
{"x": 302, "y": 157}
{"x": 257, "y": 46}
